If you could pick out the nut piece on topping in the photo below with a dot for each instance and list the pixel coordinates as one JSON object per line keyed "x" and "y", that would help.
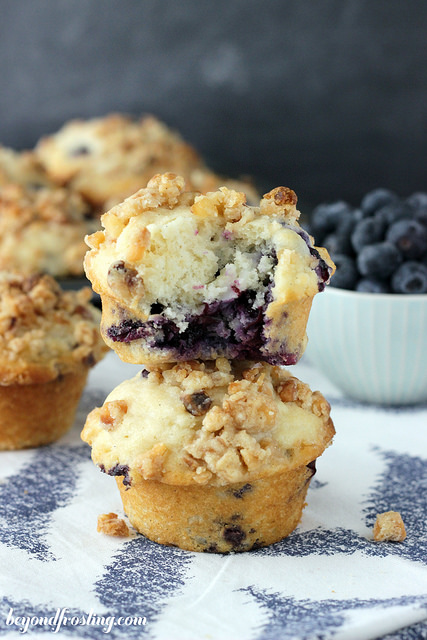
{"x": 389, "y": 527}
{"x": 111, "y": 525}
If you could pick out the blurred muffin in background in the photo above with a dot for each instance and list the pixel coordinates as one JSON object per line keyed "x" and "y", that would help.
{"x": 107, "y": 159}
{"x": 49, "y": 340}
{"x": 43, "y": 229}
{"x": 23, "y": 168}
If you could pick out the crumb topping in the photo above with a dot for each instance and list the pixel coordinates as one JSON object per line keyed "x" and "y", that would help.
{"x": 213, "y": 422}
{"x": 45, "y": 331}
{"x": 23, "y": 168}
{"x": 112, "y": 413}
{"x": 22, "y": 206}
{"x": 237, "y": 436}
{"x": 43, "y": 229}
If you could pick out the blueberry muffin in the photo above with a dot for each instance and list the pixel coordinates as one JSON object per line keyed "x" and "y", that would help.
{"x": 188, "y": 276}
{"x": 211, "y": 456}
{"x": 107, "y": 159}
{"x": 43, "y": 230}
{"x": 24, "y": 168}
{"x": 49, "y": 339}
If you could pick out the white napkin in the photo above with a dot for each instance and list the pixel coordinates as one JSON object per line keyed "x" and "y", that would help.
{"x": 328, "y": 579}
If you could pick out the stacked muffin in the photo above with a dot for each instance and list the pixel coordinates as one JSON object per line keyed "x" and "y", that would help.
{"x": 213, "y": 443}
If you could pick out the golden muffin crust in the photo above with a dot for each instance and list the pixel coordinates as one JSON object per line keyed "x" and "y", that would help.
{"x": 165, "y": 254}
{"x": 208, "y": 423}
{"x": 45, "y": 332}
{"x": 43, "y": 230}
{"x": 109, "y": 158}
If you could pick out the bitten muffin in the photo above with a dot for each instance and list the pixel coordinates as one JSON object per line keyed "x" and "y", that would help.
{"x": 188, "y": 276}
{"x": 212, "y": 456}
{"x": 49, "y": 339}
{"x": 43, "y": 230}
{"x": 109, "y": 158}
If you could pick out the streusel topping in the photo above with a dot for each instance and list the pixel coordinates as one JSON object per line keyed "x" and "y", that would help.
{"x": 43, "y": 230}
{"x": 22, "y": 167}
{"x": 45, "y": 331}
{"x": 208, "y": 422}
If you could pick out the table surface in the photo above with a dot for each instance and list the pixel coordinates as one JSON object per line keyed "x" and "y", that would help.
{"x": 328, "y": 579}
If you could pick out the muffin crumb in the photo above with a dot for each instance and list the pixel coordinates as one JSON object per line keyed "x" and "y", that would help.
{"x": 389, "y": 527}
{"x": 111, "y": 525}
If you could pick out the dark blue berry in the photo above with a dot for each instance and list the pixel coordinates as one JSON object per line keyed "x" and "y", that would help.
{"x": 367, "y": 231}
{"x": 418, "y": 199}
{"x": 420, "y": 215}
{"x": 326, "y": 217}
{"x": 81, "y": 150}
{"x": 393, "y": 212}
{"x": 358, "y": 215}
{"x": 379, "y": 260}
{"x": 373, "y": 285}
{"x": 376, "y": 199}
{"x": 346, "y": 275}
{"x": 410, "y": 277}
{"x": 332, "y": 244}
{"x": 410, "y": 237}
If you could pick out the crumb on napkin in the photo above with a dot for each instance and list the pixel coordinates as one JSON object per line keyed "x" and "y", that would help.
{"x": 112, "y": 525}
{"x": 389, "y": 527}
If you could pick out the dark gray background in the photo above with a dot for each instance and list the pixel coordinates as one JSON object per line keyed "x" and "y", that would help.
{"x": 327, "y": 97}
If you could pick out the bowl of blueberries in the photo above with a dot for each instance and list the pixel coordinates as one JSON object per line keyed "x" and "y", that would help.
{"x": 368, "y": 331}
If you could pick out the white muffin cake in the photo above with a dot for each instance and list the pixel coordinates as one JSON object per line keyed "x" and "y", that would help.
{"x": 109, "y": 158}
{"x": 188, "y": 276}
{"x": 213, "y": 456}
{"x": 49, "y": 339}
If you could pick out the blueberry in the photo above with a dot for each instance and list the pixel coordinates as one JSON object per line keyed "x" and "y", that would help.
{"x": 410, "y": 277}
{"x": 379, "y": 260}
{"x": 420, "y": 215}
{"x": 373, "y": 285}
{"x": 340, "y": 240}
{"x": 367, "y": 231}
{"x": 410, "y": 237}
{"x": 393, "y": 212}
{"x": 332, "y": 244}
{"x": 325, "y": 218}
{"x": 375, "y": 199}
{"x": 344, "y": 230}
{"x": 81, "y": 150}
{"x": 418, "y": 199}
{"x": 346, "y": 275}
{"x": 197, "y": 403}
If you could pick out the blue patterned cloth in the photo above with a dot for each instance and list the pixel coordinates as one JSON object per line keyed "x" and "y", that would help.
{"x": 327, "y": 580}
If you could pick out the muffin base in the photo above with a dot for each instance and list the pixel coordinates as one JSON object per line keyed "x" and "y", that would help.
{"x": 232, "y": 518}
{"x": 36, "y": 414}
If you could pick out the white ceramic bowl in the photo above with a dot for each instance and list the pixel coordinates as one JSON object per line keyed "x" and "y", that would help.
{"x": 371, "y": 346}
